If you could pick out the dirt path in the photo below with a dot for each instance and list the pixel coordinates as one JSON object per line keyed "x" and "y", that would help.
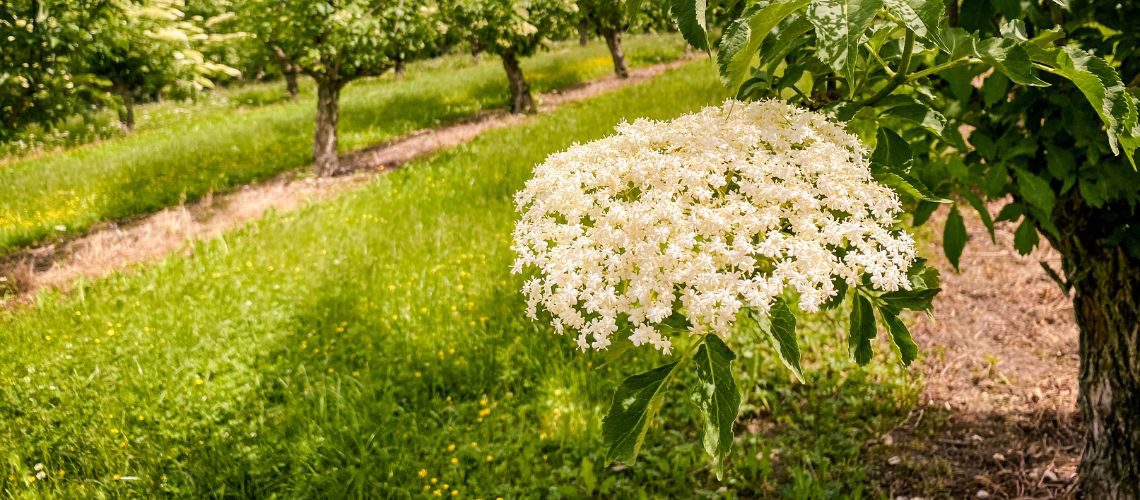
{"x": 117, "y": 246}
{"x": 998, "y": 414}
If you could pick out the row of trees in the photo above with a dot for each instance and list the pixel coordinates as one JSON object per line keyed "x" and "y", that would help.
{"x": 64, "y": 58}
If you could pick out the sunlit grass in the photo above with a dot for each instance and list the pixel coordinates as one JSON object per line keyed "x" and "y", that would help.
{"x": 376, "y": 346}
{"x": 181, "y": 152}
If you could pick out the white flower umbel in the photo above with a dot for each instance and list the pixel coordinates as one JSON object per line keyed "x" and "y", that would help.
{"x": 704, "y": 215}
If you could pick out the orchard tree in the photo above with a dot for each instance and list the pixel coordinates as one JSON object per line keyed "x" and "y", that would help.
{"x": 609, "y": 18}
{"x": 147, "y": 48}
{"x": 44, "y": 43}
{"x": 336, "y": 42}
{"x": 1052, "y": 128}
{"x": 512, "y": 29}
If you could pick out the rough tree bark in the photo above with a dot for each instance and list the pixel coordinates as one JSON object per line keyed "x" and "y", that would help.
{"x": 127, "y": 112}
{"x": 521, "y": 100}
{"x": 1105, "y": 281}
{"x": 328, "y": 114}
{"x": 613, "y": 41}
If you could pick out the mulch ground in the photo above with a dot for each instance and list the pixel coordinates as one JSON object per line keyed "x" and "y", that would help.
{"x": 998, "y": 415}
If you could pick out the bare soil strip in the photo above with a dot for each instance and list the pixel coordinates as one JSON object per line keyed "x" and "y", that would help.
{"x": 115, "y": 246}
{"x": 998, "y": 415}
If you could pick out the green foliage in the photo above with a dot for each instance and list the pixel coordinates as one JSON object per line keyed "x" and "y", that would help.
{"x": 518, "y": 28}
{"x": 636, "y": 402}
{"x": 65, "y": 56}
{"x": 341, "y": 41}
{"x": 717, "y": 397}
{"x": 180, "y": 152}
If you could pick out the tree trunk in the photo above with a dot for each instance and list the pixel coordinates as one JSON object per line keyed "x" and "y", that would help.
{"x": 328, "y": 114}
{"x": 1106, "y": 284}
{"x": 127, "y": 113}
{"x": 401, "y": 67}
{"x": 521, "y": 101}
{"x": 583, "y": 32}
{"x": 613, "y": 41}
{"x": 291, "y": 83}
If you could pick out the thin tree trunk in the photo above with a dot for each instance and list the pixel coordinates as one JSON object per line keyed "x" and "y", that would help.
{"x": 127, "y": 113}
{"x": 1106, "y": 301}
{"x": 328, "y": 114}
{"x": 613, "y": 41}
{"x": 521, "y": 100}
{"x": 401, "y": 66}
{"x": 291, "y": 83}
{"x": 583, "y": 32}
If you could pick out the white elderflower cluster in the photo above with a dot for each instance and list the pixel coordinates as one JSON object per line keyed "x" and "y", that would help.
{"x": 703, "y": 216}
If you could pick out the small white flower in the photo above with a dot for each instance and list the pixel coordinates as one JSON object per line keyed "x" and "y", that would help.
{"x": 705, "y": 215}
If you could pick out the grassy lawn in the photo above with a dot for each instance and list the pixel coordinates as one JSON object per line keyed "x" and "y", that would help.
{"x": 183, "y": 151}
{"x": 376, "y": 346}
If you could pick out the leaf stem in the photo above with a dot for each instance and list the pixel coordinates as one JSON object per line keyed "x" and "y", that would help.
{"x": 899, "y": 77}
{"x": 941, "y": 67}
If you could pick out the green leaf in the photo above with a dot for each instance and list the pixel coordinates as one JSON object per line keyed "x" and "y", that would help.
{"x": 983, "y": 212}
{"x": 1103, "y": 88}
{"x": 636, "y": 401}
{"x": 914, "y": 300}
{"x": 840, "y": 294}
{"x": 1009, "y": 57}
{"x": 862, "y": 330}
{"x": 954, "y": 237}
{"x": 904, "y": 184}
{"x": 717, "y": 397}
{"x": 995, "y": 89}
{"x": 742, "y": 39}
{"x": 1035, "y": 190}
{"x": 891, "y": 150}
{"x": 900, "y": 336}
{"x": 1060, "y": 161}
{"x": 780, "y": 327}
{"x": 924, "y": 18}
{"x": 921, "y": 115}
{"x": 839, "y": 27}
{"x": 1010, "y": 212}
{"x": 1025, "y": 238}
{"x": 690, "y": 15}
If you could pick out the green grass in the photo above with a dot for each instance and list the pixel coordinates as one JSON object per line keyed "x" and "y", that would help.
{"x": 181, "y": 152}
{"x": 338, "y": 350}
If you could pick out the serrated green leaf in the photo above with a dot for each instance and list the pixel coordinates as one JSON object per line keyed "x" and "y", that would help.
{"x": 983, "y": 212}
{"x": 742, "y": 38}
{"x": 1025, "y": 238}
{"x": 717, "y": 397}
{"x": 839, "y": 27}
{"x": 923, "y": 17}
{"x": 954, "y": 237}
{"x": 636, "y": 401}
{"x": 904, "y": 345}
{"x": 914, "y": 300}
{"x": 1103, "y": 88}
{"x": 862, "y": 330}
{"x": 1060, "y": 161}
{"x": 1035, "y": 190}
{"x": 690, "y": 16}
{"x": 780, "y": 327}
{"x": 1011, "y": 59}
